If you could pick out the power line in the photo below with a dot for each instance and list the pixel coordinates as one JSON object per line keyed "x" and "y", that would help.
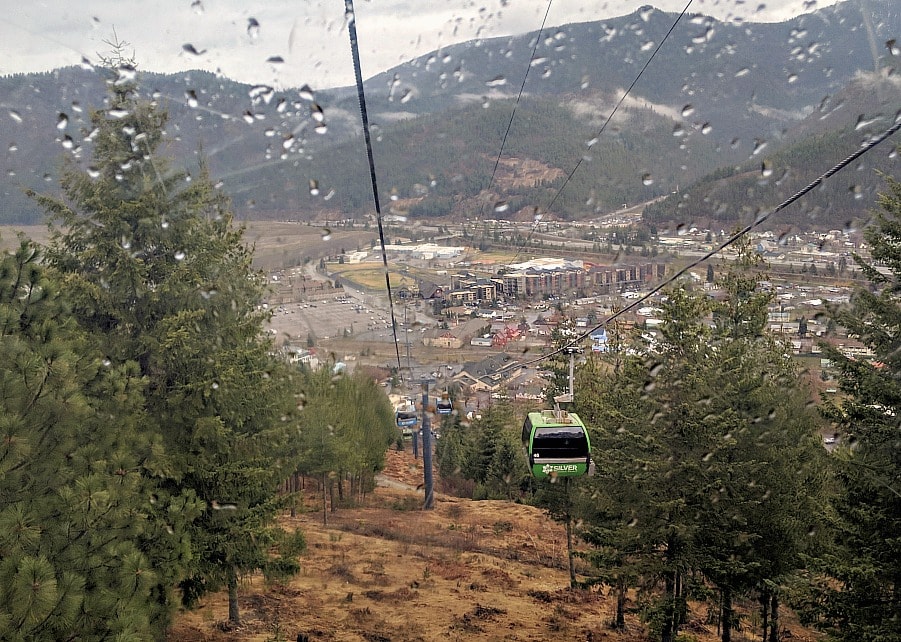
{"x": 604, "y": 125}
{"x": 518, "y": 98}
{"x": 358, "y": 74}
{"x": 872, "y": 143}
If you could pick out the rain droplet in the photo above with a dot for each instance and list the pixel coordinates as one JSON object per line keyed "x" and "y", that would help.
{"x": 326, "y": 234}
{"x": 647, "y": 179}
{"x": 189, "y": 48}
{"x": 248, "y": 117}
{"x": 744, "y": 71}
{"x": 314, "y": 187}
{"x": 316, "y": 113}
{"x": 321, "y": 128}
{"x": 706, "y": 128}
{"x": 306, "y": 93}
{"x": 93, "y": 172}
{"x": 501, "y": 206}
{"x": 687, "y": 111}
{"x": 197, "y": 6}
{"x": 13, "y": 147}
{"x": 288, "y": 141}
{"x": 759, "y": 146}
{"x": 857, "y": 191}
{"x": 275, "y": 60}
{"x": 180, "y": 255}
{"x": 191, "y": 98}
{"x": 893, "y": 47}
{"x": 678, "y": 131}
{"x": 253, "y": 28}
{"x": 497, "y": 81}
{"x": 15, "y": 115}
{"x": 766, "y": 169}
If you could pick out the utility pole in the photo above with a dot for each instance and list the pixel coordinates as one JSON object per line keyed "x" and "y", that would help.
{"x": 429, "y": 502}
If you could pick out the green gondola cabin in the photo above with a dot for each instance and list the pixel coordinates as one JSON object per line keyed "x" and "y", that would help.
{"x": 556, "y": 444}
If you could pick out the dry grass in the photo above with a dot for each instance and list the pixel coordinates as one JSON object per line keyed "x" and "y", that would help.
{"x": 389, "y": 571}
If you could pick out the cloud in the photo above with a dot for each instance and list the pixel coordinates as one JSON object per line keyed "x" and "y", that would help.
{"x": 310, "y": 37}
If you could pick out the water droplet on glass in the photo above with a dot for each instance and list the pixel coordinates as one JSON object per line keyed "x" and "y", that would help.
{"x": 759, "y": 146}
{"x": 275, "y": 60}
{"x": 766, "y": 169}
{"x": 125, "y": 243}
{"x": 857, "y": 191}
{"x": 93, "y": 172}
{"x": 191, "y": 98}
{"x": 248, "y": 117}
{"x": 253, "y": 28}
{"x": 706, "y": 128}
{"x": 13, "y": 147}
{"x": 501, "y": 206}
{"x": 893, "y": 48}
{"x": 306, "y": 93}
{"x": 288, "y": 141}
{"x": 197, "y": 6}
{"x": 321, "y": 128}
{"x": 497, "y": 81}
{"x": 15, "y": 115}
{"x": 678, "y": 131}
{"x": 326, "y": 234}
{"x": 67, "y": 142}
{"x": 314, "y": 187}
{"x": 191, "y": 49}
{"x": 792, "y": 78}
{"x": 316, "y": 113}
{"x": 744, "y": 71}
{"x": 687, "y": 111}
{"x": 86, "y": 64}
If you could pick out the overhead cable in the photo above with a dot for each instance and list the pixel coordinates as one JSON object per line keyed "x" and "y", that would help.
{"x": 358, "y": 74}
{"x": 868, "y": 146}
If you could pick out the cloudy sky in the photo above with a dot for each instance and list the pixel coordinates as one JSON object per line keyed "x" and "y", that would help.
{"x": 289, "y": 43}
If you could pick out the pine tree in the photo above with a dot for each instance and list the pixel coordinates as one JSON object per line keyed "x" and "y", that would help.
{"x": 73, "y": 488}
{"x": 159, "y": 275}
{"x": 858, "y": 593}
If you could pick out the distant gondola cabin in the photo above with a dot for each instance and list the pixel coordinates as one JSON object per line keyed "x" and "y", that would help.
{"x": 405, "y": 416}
{"x": 556, "y": 444}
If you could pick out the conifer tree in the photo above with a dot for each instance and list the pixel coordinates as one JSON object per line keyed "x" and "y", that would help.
{"x": 857, "y": 595}
{"x": 73, "y": 473}
{"x": 159, "y": 275}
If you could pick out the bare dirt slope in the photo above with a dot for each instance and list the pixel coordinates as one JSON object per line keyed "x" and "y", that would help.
{"x": 388, "y": 571}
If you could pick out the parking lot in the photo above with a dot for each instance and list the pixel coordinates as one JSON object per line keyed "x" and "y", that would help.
{"x": 328, "y": 319}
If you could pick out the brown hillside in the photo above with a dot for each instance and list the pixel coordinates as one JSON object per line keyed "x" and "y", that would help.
{"x": 388, "y": 571}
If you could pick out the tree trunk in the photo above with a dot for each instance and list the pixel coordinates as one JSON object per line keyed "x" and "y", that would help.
{"x": 666, "y": 632}
{"x": 233, "y": 614}
{"x": 620, "y": 622}
{"x": 727, "y": 615}
{"x": 774, "y": 617}
{"x": 764, "y": 613}
{"x": 324, "y": 500}
{"x": 569, "y": 551}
